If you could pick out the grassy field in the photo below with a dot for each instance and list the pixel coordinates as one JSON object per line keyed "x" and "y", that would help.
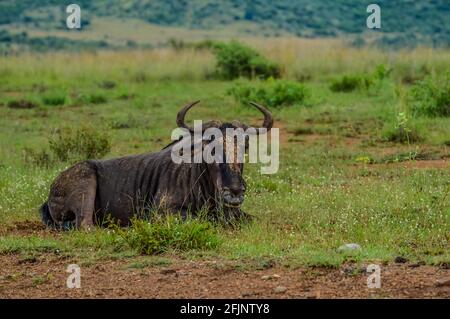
{"x": 342, "y": 177}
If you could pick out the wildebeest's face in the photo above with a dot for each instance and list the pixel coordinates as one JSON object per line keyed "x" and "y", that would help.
{"x": 226, "y": 174}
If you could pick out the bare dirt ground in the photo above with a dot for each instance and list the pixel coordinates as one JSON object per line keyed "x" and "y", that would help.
{"x": 45, "y": 277}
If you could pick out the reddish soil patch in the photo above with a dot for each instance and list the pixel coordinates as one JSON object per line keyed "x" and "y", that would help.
{"x": 46, "y": 278}
{"x": 24, "y": 228}
{"x": 441, "y": 164}
{"x": 418, "y": 164}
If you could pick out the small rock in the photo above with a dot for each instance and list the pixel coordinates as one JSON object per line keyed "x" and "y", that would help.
{"x": 28, "y": 260}
{"x": 246, "y": 294}
{"x": 443, "y": 282}
{"x": 351, "y": 270}
{"x": 268, "y": 277}
{"x": 400, "y": 260}
{"x": 279, "y": 289}
{"x": 418, "y": 264}
{"x": 349, "y": 247}
{"x": 168, "y": 271}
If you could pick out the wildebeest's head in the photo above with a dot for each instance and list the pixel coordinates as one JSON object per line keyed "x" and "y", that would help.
{"x": 226, "y": 175}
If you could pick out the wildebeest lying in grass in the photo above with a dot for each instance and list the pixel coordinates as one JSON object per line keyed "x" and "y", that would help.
{"x": 96, "y": 190}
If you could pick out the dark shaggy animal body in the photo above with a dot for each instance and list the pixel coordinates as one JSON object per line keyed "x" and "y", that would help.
{"x": 123, "y": 187}
{"x": 96, "y": 191}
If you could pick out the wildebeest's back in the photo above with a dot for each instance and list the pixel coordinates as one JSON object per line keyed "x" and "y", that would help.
{"x": 128, "y": 184}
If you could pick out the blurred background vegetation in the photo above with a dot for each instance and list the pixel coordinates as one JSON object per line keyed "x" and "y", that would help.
{"x": 40, "y": 25}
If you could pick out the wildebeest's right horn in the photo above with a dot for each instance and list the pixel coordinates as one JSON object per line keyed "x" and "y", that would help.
{"x": 268, "y": 118}
{"x": 181, "y": 115}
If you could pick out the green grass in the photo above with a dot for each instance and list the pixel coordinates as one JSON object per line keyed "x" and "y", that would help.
{"x": 321, "y": 198}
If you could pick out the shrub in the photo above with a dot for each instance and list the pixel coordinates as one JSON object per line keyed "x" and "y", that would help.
{"x": 273, "y": 93}
{"x": 40, "y": 158}
{"x": 80, "y": 144}
{"x": 431, "y": 97}
{"x": 169, "y": 232}
{"x": 237, "y": 60}
{"x": 92, "y": 98}
{"x": 349, "y": 83}
{"x": 54, "y": 99}
{"x": 381, "y": 72}
{"x": 95, "y": 99}
{"x": 402, "y": 131}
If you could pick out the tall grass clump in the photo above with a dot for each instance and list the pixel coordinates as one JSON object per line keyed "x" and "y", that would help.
{"x": 431, "y": 97}
{"x": 349, "y": 83}
{"x": 68, "y": 145}
{"x": 273, "y": 93}
{"x": 164, "y": 233}
{"x": 402, "y": 131}
{"x": 91, "y": 98}
{"x": 236, "y": 60}
{"x": 352, "y": 82}
{"x": 54, "y": 99}
{"x": 78, "y": 144}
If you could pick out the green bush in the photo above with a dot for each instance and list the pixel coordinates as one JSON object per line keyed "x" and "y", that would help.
{"x": 273, "y": 93}
{"x": 402, "y": 131}
{"x": 95, "y": 99}
{"x": 393, "y": 133}
{"x": 431, "y": 97}
{"x": 349, "y": 83}
{"x": 236, "y": 60}
{"x": 382, "y": 72}
{"x": 54, "y": 99}
{"x": 41, "y": 158}
{"x": 92, "y": 98}
{"x": 169, "y": 232}
{"x": 80, "y": 144}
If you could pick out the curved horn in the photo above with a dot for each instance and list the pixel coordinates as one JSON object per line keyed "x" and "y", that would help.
{"x": 181, "y": 115}
{"x": 268, "y": 118}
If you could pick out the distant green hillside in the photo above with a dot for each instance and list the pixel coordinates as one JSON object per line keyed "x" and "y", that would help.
{"x": 404, "y": 22}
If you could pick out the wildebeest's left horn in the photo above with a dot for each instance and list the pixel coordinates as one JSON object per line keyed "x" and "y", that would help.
{"x": 181, "y": 115}
{"x": 268, "y": 118}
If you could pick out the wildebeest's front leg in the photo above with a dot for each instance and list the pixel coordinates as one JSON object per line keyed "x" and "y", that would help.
{"x": 242, "y": 216}
{"x": 86, "y": 218}
{"x": 231, "y": 216}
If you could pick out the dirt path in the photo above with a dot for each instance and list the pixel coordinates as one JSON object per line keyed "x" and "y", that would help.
{"x": 46, "y": 278}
